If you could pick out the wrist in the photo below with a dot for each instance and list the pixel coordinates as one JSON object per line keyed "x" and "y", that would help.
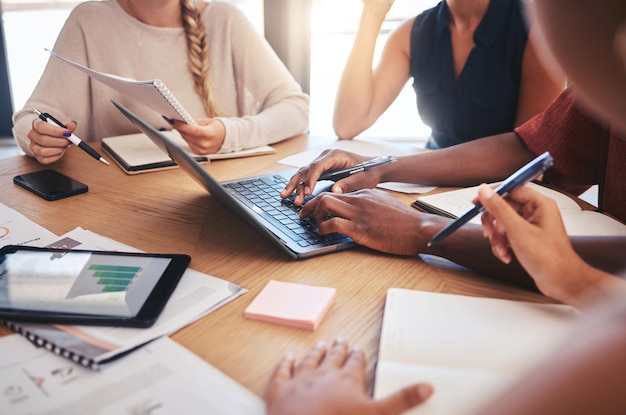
{"x": 374, "y": 14}
{"x": 387, "y": 172}
{"x": 586, "y": 285}
{"x": 427, "y": 226}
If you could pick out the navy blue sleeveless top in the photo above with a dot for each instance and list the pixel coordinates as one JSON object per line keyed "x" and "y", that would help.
{"x": 483, "y": 101}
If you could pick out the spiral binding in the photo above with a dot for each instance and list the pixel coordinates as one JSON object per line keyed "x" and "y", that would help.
{"x": 175, "y": 103}
{"x": 60, "y": 351}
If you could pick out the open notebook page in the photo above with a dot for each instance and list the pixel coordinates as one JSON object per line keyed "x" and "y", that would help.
{"x": 577, "y": 222}
{"x": 468, "y": 348}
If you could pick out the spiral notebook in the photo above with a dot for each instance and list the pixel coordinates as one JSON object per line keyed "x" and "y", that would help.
{"x": 151, "y": 93}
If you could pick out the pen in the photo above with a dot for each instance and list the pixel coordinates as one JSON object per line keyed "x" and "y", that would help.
{"x": 72, "y": 138}
{"x": 335, "y": 175}
{"x": 527, "y": 173}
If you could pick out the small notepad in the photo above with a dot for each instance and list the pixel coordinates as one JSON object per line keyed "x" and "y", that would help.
{"x": 291, "y": 304}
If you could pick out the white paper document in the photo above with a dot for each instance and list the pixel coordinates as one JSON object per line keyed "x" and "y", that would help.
{"x": 196, "y": 295}
{"x": 161, "y": 378}
{"x": 17, "y": 229}
{"x": 361, "y": 146}
{"x": 152, "y": 93}
{"x": 409, "y": 188}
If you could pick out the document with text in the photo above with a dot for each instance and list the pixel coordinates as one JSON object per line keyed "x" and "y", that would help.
{"x": 17, "y": 229}
{"x": 161, "y": 378}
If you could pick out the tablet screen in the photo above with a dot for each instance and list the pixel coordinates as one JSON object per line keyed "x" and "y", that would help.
{"x": 86, "y": 283}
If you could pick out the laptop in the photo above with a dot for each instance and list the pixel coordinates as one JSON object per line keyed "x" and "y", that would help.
{"x": 256, "y": 199}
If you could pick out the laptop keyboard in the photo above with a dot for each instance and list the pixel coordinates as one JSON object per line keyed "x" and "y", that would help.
{"x": 263, "y": 195}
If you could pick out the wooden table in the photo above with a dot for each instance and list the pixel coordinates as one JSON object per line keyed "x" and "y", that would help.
{"x": 167, "y": 211}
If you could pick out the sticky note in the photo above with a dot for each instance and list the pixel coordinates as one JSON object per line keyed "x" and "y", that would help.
{"x": 291, "y": 304}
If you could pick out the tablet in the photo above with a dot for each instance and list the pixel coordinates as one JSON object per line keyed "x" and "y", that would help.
{"x": 86, "y": 287}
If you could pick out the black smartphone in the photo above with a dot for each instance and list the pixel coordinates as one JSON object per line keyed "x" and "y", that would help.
{"x": 50, "y": 184}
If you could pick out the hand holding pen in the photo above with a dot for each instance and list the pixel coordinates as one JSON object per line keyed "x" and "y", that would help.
{"x": 336, "y": 175}
{"x": 325, "y": 168}
{"x": 527, "y": 173}
{"x": 71, "y": 137}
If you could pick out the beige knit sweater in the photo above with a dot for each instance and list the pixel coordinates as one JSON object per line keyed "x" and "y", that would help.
{"x": 258, "y": 99}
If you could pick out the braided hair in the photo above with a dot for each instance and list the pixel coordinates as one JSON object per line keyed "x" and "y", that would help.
{"x": 198, "y": 53}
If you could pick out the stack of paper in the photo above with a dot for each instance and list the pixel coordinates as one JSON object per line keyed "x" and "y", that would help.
{"x": 291, "y": 304}
{"x": 196, "y": 295}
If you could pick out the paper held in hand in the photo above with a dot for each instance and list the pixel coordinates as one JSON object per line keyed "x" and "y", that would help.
{"x": 152, "y": 93}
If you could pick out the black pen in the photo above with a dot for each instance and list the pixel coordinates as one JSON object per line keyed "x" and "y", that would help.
{"x": 72, "y": 138}
{"x": 335, "y": 175}
{"x": 519, "y": 178}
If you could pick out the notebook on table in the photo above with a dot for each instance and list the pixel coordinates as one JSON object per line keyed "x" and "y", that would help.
{"x": 471, "y": 349}
{"x": 578, "y": 222}
{"x": 256, "y": 199}
{"x": 136, "y": 153}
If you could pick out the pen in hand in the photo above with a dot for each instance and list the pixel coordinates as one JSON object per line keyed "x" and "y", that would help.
{"x": 44, "y": 116}
{"x": 527, "y": 173}
{"x": 336, "y": 175}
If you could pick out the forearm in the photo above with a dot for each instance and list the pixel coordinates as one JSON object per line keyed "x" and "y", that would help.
{"x": 599, "y": 271}
{"x": 286, "y": 119}
{"x": 587, "y": 375}
{"x": 480, "y": 161}
{"x": 592, "y": 288}
{"x": 356, "y": 89}
{"x": 22, "y": 123}
{"x": 584, "y": 285}
{"x": 605, "y": 253}
{"x": 469, "y": 248}
{"x": 56, "y": 84}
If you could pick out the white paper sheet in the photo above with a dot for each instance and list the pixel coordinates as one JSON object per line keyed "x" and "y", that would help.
{"x": 17, "y": 229}
{"x": 196, "y": 295}
{"x": 365, "y": 147}
{"x": 161, "y": 378}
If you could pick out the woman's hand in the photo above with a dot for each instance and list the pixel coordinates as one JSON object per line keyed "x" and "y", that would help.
{"x": 205, "y": 137}
{"x": 530, "y": 225}
{"x": 303, "y": 182}
{"x": 49, "y": 142}
{"x": 370, "y": 218}
{"x": 332, "y": 382}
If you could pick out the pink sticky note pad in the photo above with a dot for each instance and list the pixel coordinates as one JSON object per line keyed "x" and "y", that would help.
{"x": 291, "y": 304}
